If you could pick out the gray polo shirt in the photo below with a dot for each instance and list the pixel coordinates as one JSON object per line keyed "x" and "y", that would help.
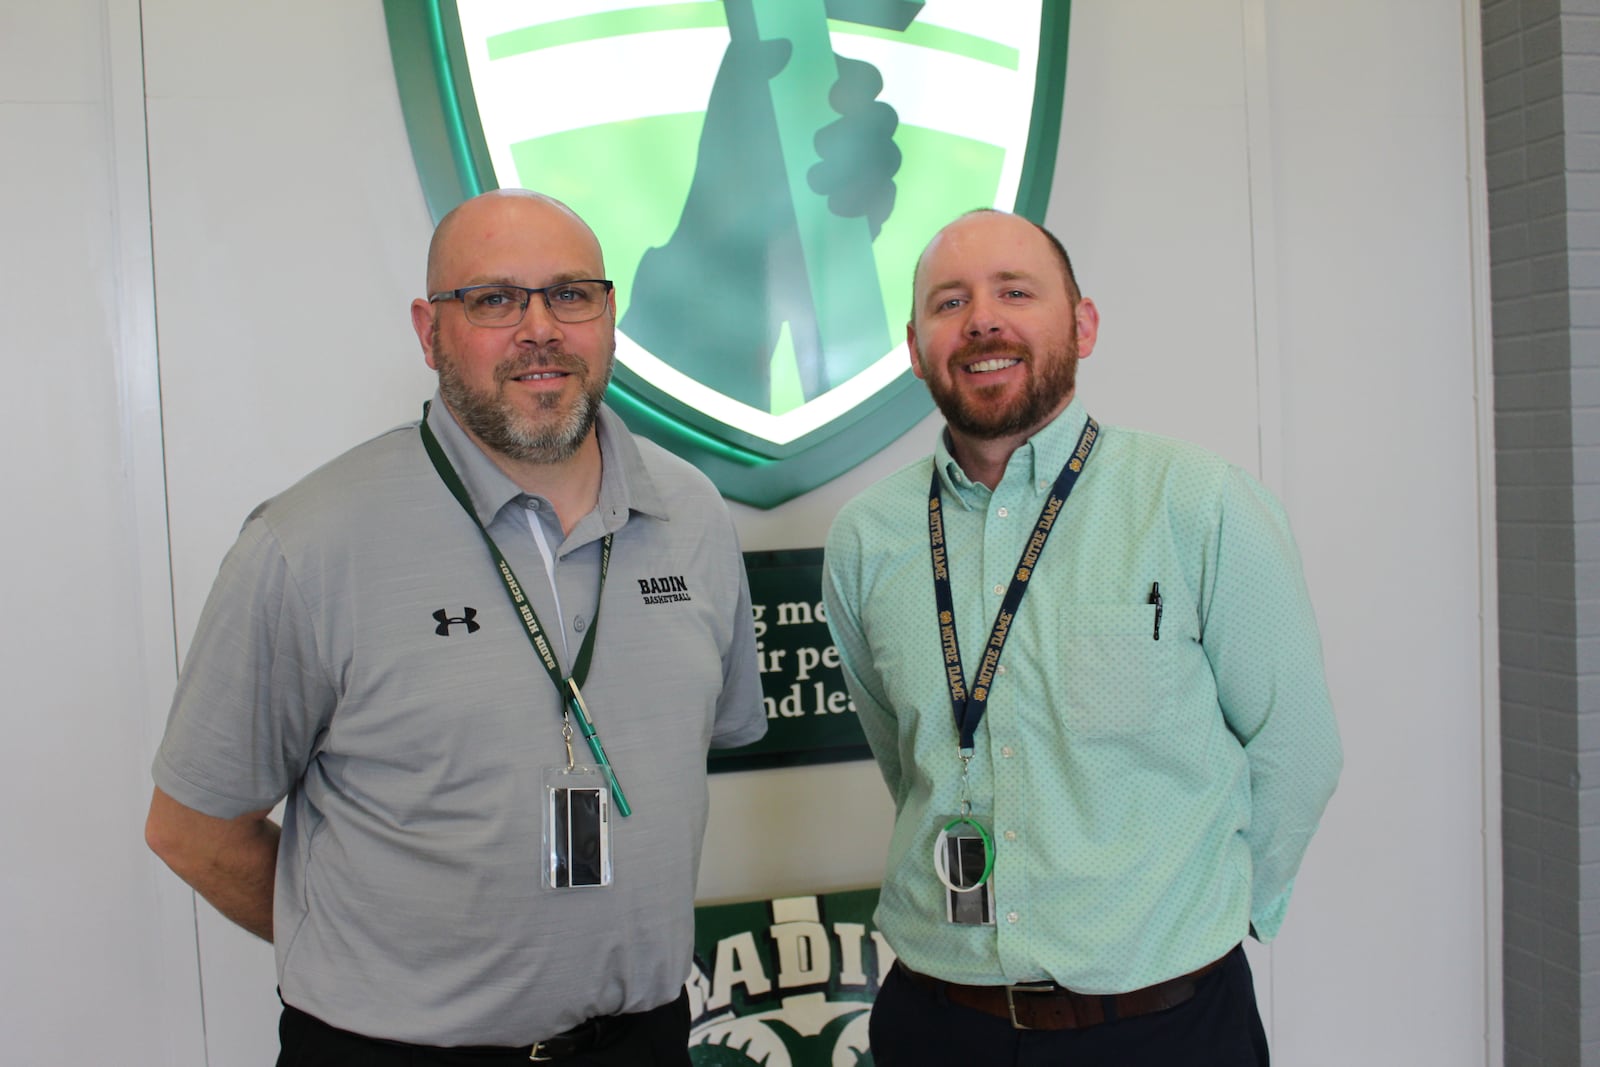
{"x": 359, "y": 655}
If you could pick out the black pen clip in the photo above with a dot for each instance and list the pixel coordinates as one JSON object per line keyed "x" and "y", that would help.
{"x": 1155, "y": 598}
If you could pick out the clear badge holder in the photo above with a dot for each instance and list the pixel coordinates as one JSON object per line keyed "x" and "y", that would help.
{"x": 577, "y": 827}
{"x": 963, "y": 859}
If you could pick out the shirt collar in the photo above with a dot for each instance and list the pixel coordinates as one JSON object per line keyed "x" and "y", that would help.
{"x": 1033, "y": 467}
{"x": 625, "y": 482}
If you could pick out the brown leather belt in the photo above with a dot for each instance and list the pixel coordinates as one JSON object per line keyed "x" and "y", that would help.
{"x": 1047, "y": 1006}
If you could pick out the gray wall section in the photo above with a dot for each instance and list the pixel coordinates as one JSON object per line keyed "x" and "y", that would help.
{"x": 1542, "y": 114}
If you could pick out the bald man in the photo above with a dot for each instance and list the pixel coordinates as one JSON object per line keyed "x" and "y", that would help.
{"x": 496, "y": 792}
{"x": 1087, "y": 665}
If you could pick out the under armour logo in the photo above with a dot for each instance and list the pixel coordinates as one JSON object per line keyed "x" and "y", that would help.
{"x": 445, "y": 621}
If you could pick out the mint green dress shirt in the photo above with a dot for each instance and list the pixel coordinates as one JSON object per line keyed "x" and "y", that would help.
{"x": 1150, "y": 799}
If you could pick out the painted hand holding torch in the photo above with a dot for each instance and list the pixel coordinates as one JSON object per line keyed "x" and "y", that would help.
{"x": 793, "y": 181}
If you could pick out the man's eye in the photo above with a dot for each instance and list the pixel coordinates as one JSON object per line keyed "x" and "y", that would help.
{"x": 568, "y": 294}
{"x": 1016, "y": 294}
{"x": 946, "y": 305}
{"x": 494, "y": 299}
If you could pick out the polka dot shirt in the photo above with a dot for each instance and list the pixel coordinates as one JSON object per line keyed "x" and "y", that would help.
{"x": 1151, "y": 784}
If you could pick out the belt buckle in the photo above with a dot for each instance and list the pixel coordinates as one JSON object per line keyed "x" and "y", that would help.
{"x": 536, "y": 1056}
{"x": 1027, "y": 987}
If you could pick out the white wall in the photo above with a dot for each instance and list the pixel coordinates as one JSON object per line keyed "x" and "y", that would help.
{"x": 1381, "y": 422}
{"x": 99, "y": 952}
{"x": 1272, "y": 205}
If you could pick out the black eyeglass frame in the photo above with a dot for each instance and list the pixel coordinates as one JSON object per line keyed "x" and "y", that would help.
{"x": 528, "y": 294}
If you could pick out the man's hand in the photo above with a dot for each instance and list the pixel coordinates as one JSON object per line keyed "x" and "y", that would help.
{"x": 230, "y": 862}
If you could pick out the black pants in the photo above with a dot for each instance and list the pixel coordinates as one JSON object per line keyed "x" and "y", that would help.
{"x": 655, "y": 1038}
{"x": 1218, "y": 1027}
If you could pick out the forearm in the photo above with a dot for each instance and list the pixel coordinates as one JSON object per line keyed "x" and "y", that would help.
{"x": 238, "y": 880}
{"x": 232, "y": 863}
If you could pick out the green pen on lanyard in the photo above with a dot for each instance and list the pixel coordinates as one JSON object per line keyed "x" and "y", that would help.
{"x": 591, "y": 735}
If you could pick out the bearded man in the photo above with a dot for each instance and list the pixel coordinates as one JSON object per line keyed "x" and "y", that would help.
{"x": 409, "y": 647}
{"x": 1086, "y": 663}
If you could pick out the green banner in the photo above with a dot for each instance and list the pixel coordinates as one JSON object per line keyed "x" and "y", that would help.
{"x": 810, "y": 716}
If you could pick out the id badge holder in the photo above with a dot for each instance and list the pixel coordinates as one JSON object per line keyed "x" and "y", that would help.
{"x": 577, "y": 827}
{"x": 963, "y": 859}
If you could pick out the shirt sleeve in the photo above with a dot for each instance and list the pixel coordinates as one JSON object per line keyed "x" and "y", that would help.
{"x": 842, "y": 599}
{"x": 741, "y": 718}
{"x": 1260, "y": 635}
{"x": 255, "y": 696}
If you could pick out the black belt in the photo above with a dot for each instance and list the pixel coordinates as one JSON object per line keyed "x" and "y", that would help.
{"x": 585, "y": 1037}
{"x": 1047, "y": 1006}
{"x": 590, "y": 1034}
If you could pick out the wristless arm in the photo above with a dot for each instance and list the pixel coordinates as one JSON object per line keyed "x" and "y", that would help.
{"x": 230, "y": 862}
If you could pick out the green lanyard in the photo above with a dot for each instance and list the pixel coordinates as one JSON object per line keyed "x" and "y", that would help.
{"x": 567, "y": 687}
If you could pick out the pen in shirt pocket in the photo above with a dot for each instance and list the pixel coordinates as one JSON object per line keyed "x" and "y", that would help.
{"x": 1155, "y": 598}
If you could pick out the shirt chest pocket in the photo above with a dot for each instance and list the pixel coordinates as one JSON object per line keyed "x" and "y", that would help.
{"x": 1101, "y": 668}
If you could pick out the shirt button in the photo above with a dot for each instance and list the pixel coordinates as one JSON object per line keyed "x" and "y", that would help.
{"x": 579, "y": 622}
{"x": 1011, "y": 835}
{"x": 1007, "y": 751}
{"x": 1003, "y": 512}
{"x": 532, "y": 504}
{"x": 1012, "y": 917}
{"x": 1044, "y": 483}
{"x": 999, "y": 590}
{"x": 1000, "y": 668}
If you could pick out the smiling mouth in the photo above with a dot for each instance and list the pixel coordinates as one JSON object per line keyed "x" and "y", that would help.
{"x": 540, "y": 376}
{"x": 985, "y": 365}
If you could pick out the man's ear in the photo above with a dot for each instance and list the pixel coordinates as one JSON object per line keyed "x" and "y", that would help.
{"x": 911, "y": 343}
{"x": 1086, "y": 321}
{"x": 422, "y": 314}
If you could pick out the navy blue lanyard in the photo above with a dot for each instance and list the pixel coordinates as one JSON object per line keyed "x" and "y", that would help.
{"x": 969, "y": 707}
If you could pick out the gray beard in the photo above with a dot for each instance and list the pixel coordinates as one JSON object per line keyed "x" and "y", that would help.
{"x": 507, "y": 431}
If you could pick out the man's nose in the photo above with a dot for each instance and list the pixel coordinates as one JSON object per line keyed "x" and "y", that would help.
{"x": 538, "y": 325}
{"x": 982, "y": 318}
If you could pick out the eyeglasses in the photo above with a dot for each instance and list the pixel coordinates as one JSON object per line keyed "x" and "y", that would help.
{"x": 504, "y": 305}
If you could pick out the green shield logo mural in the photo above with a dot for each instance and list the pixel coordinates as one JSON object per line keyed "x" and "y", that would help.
{"x": 761, "y": 174}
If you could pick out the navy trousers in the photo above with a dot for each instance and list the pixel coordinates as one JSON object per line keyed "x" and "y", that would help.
{"x": 1218, "y": 1027}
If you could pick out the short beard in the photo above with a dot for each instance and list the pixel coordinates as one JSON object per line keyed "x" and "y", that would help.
{"x": 501, "y": 427}
{"x": 1049, "y": 381}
